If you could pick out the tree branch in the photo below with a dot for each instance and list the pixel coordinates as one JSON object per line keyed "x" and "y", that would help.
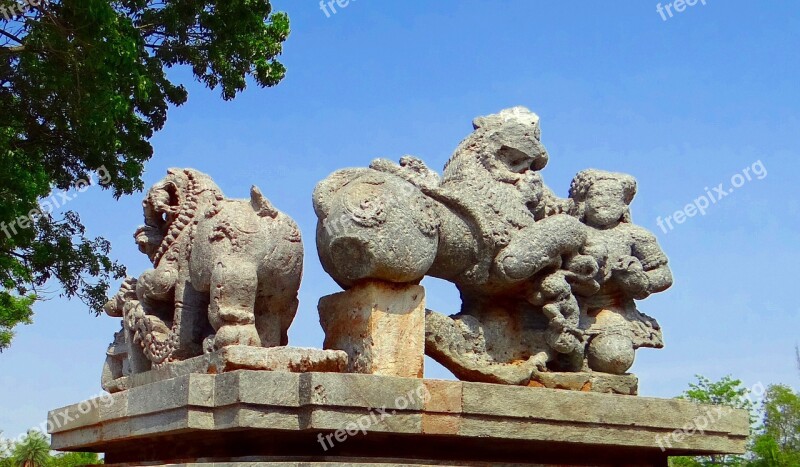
{"x": 12, "y": 37}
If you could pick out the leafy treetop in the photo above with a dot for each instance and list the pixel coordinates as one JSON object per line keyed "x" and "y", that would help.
{"x": 83, "y": 87}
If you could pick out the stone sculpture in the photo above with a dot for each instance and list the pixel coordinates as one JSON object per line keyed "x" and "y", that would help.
{"x": 547, "y": 284}
{"x": 201, "y": 368}
{"x": 225, "y": 272}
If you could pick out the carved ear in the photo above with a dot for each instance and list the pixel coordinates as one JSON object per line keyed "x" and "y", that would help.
{"x": 261, "y": 205}
{"x": 174, "y": 171}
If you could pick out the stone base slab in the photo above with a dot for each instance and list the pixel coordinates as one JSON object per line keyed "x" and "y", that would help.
{"x": 240, "y": 357}
{"x": 591, "y": 381}
{"x": 267, "y": 416}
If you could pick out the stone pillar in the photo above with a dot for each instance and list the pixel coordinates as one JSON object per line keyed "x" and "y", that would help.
{"x": 380, "y": 325}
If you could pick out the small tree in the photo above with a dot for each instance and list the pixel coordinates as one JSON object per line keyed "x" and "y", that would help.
{"x": 728, "y": 392}
{"x": 32, "y": 451}
{"x": 778, "y": 439}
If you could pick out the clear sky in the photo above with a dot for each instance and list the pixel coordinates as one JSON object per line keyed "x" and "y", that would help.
{"x": 683, "y": 104}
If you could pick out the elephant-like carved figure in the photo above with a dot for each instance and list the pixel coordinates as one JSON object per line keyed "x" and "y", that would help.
{"x": 547, "y": 284}
{"x": 225, "y": 272}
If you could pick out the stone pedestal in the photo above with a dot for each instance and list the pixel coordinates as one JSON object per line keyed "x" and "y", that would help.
{"x": 240, "y": 357}
{"x": 380, "y": 325}
{"x": 275, "y": 418}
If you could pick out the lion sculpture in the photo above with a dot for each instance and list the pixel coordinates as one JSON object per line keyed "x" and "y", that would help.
{"x": 225, "y": 272}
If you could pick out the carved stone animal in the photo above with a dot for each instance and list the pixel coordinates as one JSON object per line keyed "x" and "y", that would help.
{"x": 225, "y": 272}
{"x": 526, "y": 263}
{"x": 399, "y": 223}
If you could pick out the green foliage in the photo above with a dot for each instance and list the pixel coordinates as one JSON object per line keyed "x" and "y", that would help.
{"x": 775, "y": 443}
{"x": 728, "y": 392}
{"x": 76, "y": 459}
{"x": 13, "y": 311}
{"x": 34, "y": 451}
{"x": 5, "y": 452}
{"x": 83, "y": 88}
{"x": 778, "y": 439}
{"x": 767, "y": 453}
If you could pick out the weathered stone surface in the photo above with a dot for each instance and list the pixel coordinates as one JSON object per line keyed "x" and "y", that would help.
{"x": 291, "y": 359}
{"x": 501, "y": 350}
{"x": 443, "y": 396}
{"x": 380, "y": 325}
{"x": 587, "y": 382}
{"x": 604, "y": 409}
{"x": 270, "y": 416}
{"x": 547, "y": 284}
{"x": 226, "y": 272}
{"x": 250, "y": 387}
{"x": 237, "y": 357}
{"x": 359, "y": 390}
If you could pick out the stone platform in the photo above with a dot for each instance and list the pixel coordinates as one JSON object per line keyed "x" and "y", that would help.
{"x": 279, "y": 418}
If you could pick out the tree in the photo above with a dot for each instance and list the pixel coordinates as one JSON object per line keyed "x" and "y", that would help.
{"x": 32, "y": 451}
{"x": 778, "y": 439}
{"x": 728, "y": 392}
{"x": 83, "y": 88}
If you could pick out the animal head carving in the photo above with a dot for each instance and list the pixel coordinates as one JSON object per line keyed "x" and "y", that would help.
{"x": 169, "y": 206}
{"x": 505, "y": 147}
{"x": 513, "y": 138}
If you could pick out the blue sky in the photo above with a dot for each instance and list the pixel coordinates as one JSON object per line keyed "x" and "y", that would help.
{"x": 681, "y": 104}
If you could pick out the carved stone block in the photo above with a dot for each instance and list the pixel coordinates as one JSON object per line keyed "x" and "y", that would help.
{"x": 380, "y": 325}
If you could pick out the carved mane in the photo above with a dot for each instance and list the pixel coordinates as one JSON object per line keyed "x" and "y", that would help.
{"x": 186, "y": 186}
